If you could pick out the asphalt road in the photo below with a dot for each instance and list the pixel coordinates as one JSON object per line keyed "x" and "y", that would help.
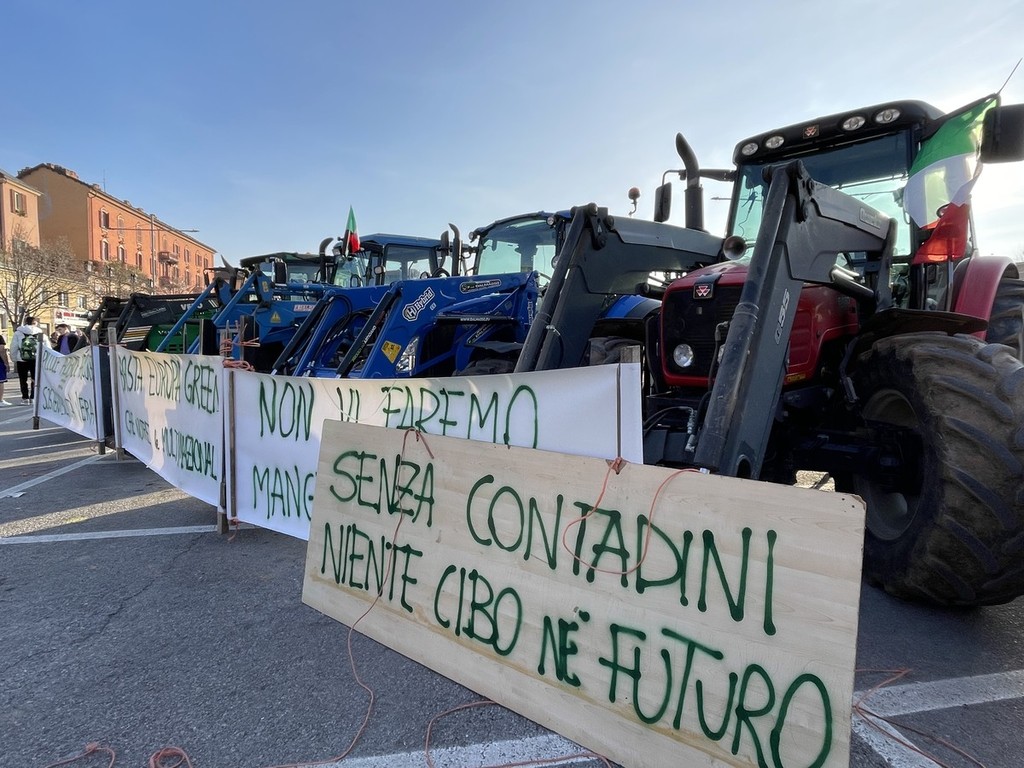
{"x": 125, "y": 619}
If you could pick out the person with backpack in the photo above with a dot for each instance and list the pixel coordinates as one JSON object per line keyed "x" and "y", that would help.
{"x": 23, "y": 351}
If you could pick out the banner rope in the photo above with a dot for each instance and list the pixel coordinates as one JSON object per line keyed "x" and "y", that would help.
{"x": 616, "y": 466}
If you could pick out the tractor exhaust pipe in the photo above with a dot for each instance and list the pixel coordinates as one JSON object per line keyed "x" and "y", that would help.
{"x": 694, "y": 197}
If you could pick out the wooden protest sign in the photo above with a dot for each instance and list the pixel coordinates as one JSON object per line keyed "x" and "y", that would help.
{"x": 658, "y": 617}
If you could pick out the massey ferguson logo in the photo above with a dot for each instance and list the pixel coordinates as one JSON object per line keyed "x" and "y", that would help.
{"x": 412, "y": 310}
{"x": 703, "y": 290}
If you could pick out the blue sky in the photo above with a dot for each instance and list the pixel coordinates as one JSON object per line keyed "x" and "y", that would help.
{"x": 260, "y": 124}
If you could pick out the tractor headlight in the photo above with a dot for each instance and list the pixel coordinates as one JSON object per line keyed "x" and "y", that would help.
{"x": 888, "y": 115}
{"x": 407, "y": 360}
{"x": 853, "y": 122}
{"x": 683, "y": 355}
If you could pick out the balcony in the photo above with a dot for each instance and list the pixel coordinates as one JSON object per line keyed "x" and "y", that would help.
{"x": 167, "y": 257}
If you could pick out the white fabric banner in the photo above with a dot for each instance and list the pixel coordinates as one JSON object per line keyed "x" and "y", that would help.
{"x": 170, "y": 417}
{"x": 278, "y": 423}
{"x": 66, "y": 391}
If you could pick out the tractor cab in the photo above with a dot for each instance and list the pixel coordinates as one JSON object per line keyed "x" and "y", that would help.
{"x": 381, "y": 260}
{"x": 524, "y": 243}
{"x": 906, "y": 160}
{"x": 385, "y": 259}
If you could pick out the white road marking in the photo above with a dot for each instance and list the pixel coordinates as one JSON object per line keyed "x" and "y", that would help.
{"x": 889, "y": 744}
{"x": 50, "y": 475}
{"x": 943, "y": 694}
{"x": 42, "y": 522}
{"x": 913, "y": 698}
{"x": 530, "y": 750}
{"x": 86, "y": 535}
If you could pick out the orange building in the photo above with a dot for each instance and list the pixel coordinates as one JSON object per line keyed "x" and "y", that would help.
{"x": 19, "y": 212}
{"x": 106, "y": 232}
{"x": 19, "y": 227}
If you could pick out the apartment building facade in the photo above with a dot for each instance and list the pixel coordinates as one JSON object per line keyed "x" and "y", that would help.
{"x": 111, "y": 235}
{"x": 19, "y": 227}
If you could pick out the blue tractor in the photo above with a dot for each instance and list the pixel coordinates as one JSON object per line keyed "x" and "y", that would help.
{"x": 266, "y": 299}
{"x": 467, "y": 316}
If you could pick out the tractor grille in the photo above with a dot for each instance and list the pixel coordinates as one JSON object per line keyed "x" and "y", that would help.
{"x": 693, "y": 321}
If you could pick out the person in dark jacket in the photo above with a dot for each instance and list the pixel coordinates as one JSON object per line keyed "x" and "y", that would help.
{"x": 64, "y": 342}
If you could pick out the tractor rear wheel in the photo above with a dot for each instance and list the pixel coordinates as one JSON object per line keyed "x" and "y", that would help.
{"x": 487, "y": 366}
{"x": 954, "y": 534}
{"x": 1006, "y": 323}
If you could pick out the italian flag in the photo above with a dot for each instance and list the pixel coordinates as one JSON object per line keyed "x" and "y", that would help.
{"x": 351, "y": 233}
{"x": 938, "y": 192}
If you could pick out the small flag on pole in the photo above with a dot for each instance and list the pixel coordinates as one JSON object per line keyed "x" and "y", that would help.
{"x": 351, "y": 233}
{"x": 938, "y": 193}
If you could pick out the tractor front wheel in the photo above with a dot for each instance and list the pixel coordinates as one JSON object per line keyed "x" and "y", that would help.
{"x": 953, "y": 533}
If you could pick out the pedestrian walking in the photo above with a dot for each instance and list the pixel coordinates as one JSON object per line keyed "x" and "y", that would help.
{"x": 5, "y": 366}
{"x": 23, "y": 352}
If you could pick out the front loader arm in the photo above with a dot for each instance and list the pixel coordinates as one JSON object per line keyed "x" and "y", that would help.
{"x": 805, "y": 226}
{"x": 601, "y": 258}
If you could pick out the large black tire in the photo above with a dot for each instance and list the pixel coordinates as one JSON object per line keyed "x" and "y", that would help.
{"x": 487, "y": 366}
{"x": 958, "y": 538}
{"x": 1006, "y": 323}
{"x": 606, "y": 350}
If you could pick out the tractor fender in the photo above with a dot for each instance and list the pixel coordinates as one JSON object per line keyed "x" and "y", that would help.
{"x": 975, "y": 283}
{"x": 631, "y": 308}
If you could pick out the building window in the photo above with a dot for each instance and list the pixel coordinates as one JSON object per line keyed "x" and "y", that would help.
{"x": 18, "y": 205}
{"x": 81, "y": 302}
{"x": 188, "y": 256}
{"x": 62, "y": 298}
{"x": 138, "y": 259}
{"x": 121, "y": 255}
{"x": 188, "y": 277}
{"x": 104, "y": 250}
{"x": 104, "y": 219}
{"x": 120, "y": 226}
{"x": 138, "y": 234}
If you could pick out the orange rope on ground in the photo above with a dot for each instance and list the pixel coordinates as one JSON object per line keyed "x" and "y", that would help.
{"x": 156, "y": 760}
{"x": 872, "y": 719}
{"x": 91, "y": 748}
{"x": 540, "y": 761}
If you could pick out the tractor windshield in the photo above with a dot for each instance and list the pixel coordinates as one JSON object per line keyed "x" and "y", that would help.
{"x": 407, "y": 262}
{"x": 520, "y": 245}
{"x": 351, "y": 271}
{"x": 873, "y": 171}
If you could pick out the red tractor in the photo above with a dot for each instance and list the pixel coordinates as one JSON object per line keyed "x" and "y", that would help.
{"x": 861, "y": 335}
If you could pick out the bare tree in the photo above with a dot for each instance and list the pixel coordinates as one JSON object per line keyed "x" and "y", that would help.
{"x": 113, "y": 278}
{"x": 174, "y": 283}
{"x": 33, "y": 277}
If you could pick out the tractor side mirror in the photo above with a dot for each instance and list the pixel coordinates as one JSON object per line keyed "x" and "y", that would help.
{"x": 280, "y": 272}
{"x": 662, "y": 202}
{"x": 1003, "y": 134}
